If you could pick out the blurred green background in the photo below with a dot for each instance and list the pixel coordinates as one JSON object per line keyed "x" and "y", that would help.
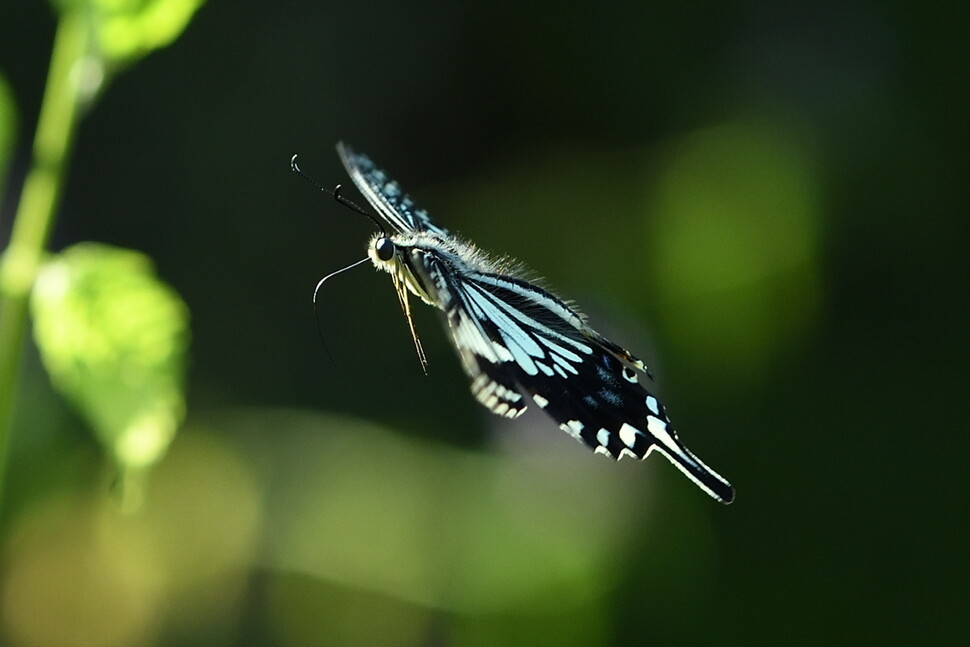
{"x": 763, "y": 200}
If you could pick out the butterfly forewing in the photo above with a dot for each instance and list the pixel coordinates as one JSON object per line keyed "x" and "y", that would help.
{"x": 517, "y": 339}
{"x": 386, "y": 195}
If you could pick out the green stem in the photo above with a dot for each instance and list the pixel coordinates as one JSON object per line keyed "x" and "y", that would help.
{"x": 35, "y": 213}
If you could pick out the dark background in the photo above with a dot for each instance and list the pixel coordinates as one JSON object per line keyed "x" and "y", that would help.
{"x": 766, "y": 201}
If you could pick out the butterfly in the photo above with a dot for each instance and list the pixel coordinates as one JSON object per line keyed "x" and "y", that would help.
{"x": 517, "y": 341}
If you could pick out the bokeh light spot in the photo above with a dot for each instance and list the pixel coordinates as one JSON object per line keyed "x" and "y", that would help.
{"x": 77, "y": 574}
{"x": 733, "y": 246}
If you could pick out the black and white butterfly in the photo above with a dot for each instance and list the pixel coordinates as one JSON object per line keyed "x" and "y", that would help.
{"x": 517, "y": 341}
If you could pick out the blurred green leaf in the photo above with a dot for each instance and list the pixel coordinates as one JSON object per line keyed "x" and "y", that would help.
{"x": 126, "y": 30}
{"x": 8, "y": 129}
{"x": 114, "y": 339}
{"x": 369, "y": 509}
{"x": 734, "y": 245}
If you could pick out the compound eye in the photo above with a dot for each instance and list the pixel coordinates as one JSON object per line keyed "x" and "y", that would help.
{"x": 384, "y": 248}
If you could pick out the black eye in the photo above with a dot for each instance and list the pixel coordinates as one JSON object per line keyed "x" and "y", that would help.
{"x": 384, "y": 248}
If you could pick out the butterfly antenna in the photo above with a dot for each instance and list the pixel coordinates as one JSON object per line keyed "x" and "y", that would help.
{"x": 335, "y": 192}
{"x": 316, "y": 313}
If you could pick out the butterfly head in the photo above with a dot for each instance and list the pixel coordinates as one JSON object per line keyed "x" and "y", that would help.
{"x": 399, "y": 255}
{"x": 383, "y": 249}
{"x": 391, "y": 257}
{"x": 384, "y": 253}
{"x": 388, "y": 255}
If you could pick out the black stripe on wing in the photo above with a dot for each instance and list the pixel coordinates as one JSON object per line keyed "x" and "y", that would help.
{"x": 386, "y": 195}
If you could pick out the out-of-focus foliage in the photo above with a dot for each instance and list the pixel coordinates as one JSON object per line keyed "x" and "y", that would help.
{"x": 502, "y": 542}
{"x": 765, "y": 201}
{"x": 495, "y": 553}
{"x": 113, "y": 339}
{"x": 125, "y": 374}
{"x": 8, "y": 129}
{"x": 120, "y": 578}
{"x": 374, "y": 547}
{"x": 732, "y": 246}
{"x": 126, "y": 30}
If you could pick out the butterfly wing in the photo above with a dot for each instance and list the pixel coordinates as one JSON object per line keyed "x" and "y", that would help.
{"x": 517, "y": 336}
{"x": 392, "y": 204}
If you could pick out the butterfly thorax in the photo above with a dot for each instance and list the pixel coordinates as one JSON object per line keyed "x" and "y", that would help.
{"x": 427, "y": 264}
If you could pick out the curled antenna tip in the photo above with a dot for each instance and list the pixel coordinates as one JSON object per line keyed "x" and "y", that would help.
{"x": 335, "y": 192}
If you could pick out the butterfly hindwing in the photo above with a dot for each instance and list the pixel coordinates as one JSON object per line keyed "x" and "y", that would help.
{"x": 606, "y": 407}
{"x": 587, "y": 384}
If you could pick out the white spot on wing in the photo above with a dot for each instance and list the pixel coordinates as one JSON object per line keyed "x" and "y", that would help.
{"x": 561, "y": 361}
{"x": 545, "y": 369}
{"x": 541, "y": 401}
{"x": 518, "y": 353}
{"x": 468, "y": 336}
{"x": 556, "y": 348}
{"x": 573, "y": 428}
{"x": 653, "y": 405}
{"x": 628, "y": 435}
{"x": 603, "y": 437}
{"x": 502, "y": 352}
{"x": 658, "y": 428}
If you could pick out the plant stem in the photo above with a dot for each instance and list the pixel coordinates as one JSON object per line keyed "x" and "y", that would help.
{"x": 35, "y": 213}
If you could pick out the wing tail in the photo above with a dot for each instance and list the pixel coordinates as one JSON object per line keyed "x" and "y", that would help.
{"x": 695, "y": 469}
{"x": 623, "y": 419}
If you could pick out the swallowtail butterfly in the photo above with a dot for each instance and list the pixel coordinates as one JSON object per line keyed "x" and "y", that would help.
{"x": 516, "y": 340}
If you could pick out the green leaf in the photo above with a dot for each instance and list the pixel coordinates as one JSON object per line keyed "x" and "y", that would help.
{"x": 126, "y": 30}
{"x": 113, "y": 339}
